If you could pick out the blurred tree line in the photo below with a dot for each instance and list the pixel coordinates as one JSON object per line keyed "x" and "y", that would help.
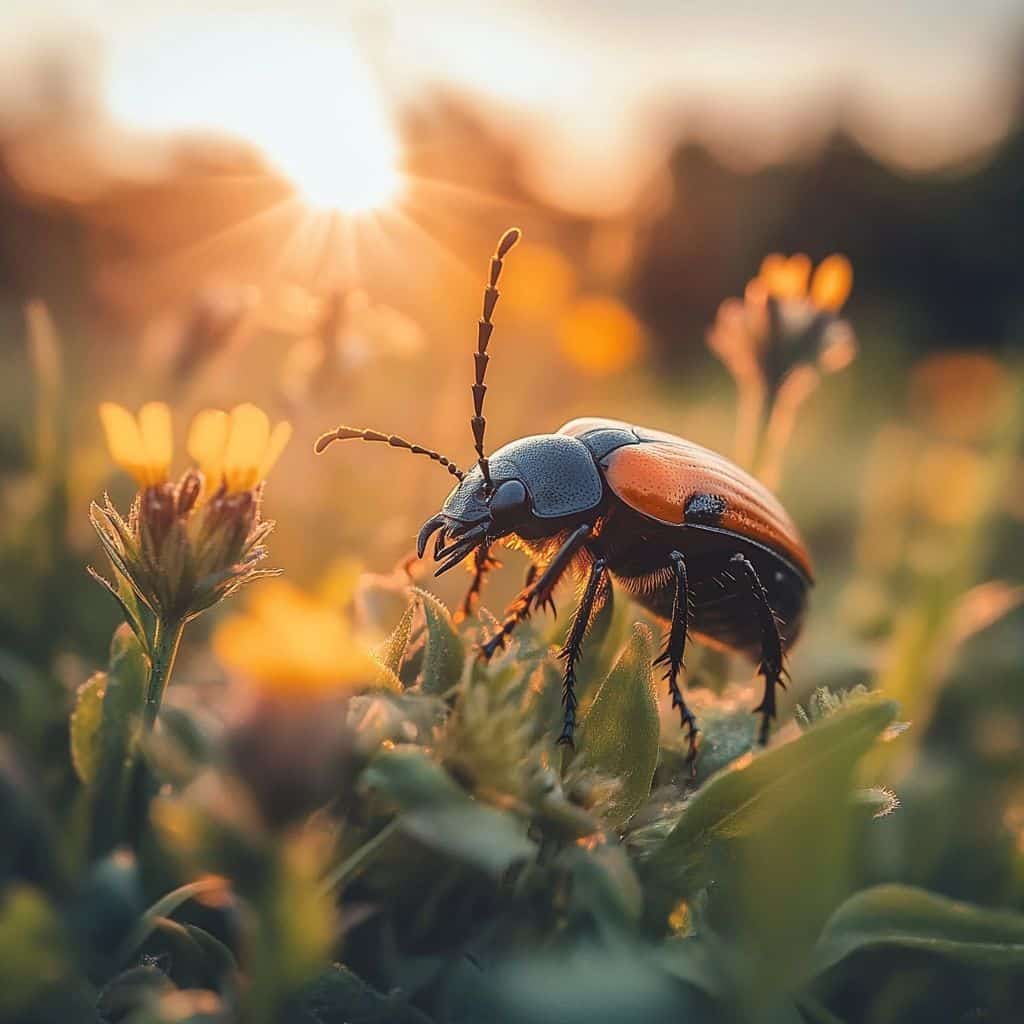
{"x": 938, "y": 254}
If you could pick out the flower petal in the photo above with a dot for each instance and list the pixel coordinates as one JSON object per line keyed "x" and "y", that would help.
{"x": 124, "y": 440}
{"x": 207, "y": 440}
{"x": 786, "y": 278}
{"x": 279, "y": 438}
{"x": 157, "y": 440}
{"x": 247, "y": 444}
{"x": 832, "y": 283}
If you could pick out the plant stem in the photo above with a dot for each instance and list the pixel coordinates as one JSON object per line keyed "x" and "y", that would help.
{"x": 166, "y": 639}
{"x": 355, "y": 861}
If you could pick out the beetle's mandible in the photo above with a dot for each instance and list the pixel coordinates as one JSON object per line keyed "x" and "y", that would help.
{"x": 692, "y": 537}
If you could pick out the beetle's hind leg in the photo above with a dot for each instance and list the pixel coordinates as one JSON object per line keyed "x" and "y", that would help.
{"x": 771, "y": 667}
{"x": 675, "y": 647}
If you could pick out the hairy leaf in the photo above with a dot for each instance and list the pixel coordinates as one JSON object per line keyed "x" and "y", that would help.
{"x": 619, "y": 736}
{"x": 392, "y": 651}
{"x": 445, "y": 654}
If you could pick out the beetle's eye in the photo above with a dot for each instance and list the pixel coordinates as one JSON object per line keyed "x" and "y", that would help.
{"x": 509, "y": 501}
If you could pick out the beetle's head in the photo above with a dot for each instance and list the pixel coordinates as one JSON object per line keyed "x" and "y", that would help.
{"x": 533, "y": 487}
{"x": 537, "y": 484}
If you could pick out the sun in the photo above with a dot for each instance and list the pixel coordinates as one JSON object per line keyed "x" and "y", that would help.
{"x": 303, "y": 98}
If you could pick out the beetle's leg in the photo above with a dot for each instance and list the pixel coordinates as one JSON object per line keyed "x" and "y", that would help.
{"x": 672, "y": 656}
{"x": 483, "y": 563}
{"x": 537, "y": 594}
{"x": 570, "y": 653}
{"x": 531, "y": 576}
{"x": 771, "y": 645}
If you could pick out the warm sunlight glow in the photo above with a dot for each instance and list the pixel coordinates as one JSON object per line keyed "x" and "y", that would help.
{"x": 303, "y": 98}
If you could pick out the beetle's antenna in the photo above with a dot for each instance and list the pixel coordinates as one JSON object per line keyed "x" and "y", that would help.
{"x": 483, "y": 335}
{"x": 355, "y": 433}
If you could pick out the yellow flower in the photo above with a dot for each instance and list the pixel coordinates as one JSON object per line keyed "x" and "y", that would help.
{"x": 788, "y": 279}
{"x": 600, "y": 335}
{"x": 832, "y": 282}
{"x": 236, "y": 450}
{"x": 784, "y": 278}
{"x": 142, "y": 445}
{"x": 293, "y": 644}
{"x": 179, "y": 554}
{"x": 776, "y": 342}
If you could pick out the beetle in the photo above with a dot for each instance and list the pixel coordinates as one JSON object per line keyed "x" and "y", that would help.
{"x": 697, "y": 541}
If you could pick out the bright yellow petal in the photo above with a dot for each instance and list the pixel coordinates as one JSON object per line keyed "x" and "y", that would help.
{"x": 247, "y": 444}
{"x": 279, "y": 438}
{"x": 157, "y": 440}
{"x": 207, "y": 440}
{"x": 832, "y": 283}
{"x": 124, "y": 440}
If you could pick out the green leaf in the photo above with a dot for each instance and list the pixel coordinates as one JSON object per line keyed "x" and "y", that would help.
{"x": 604, "y": 887}
{"x": 775, "y": 837}
{"x": 445, "y": 655}
{"x": 340, "y": 997}
{"x": 619, "y": 736}
{"x": 33, "y": 949}
{"x": 86, "y": 721}
{"x": 408, "y": 778}
{"x": 163, "y": 907}
{"x": 441, "y": 815}
{"x": 471, "y": 833}
{"x": 392, "y": 651}
{"x": 131, "y": 991}
{"x": 118, "y": 737}
{"x": 901, "y": 916}
{"x": 587, "y": 983}
{"x": 738, "y": 802}
{"x": 121, "y": 591}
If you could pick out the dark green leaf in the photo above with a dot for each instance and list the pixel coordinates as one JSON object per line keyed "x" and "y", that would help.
{"x": 588, "y": 984}
{"x": 131, "y": 991}
{"x": 164, "y": 906}
{"x": 909, "y": 918}
{"x": 340, "y": 997}
{"x": 604, "y": 886}
{"x": 441, "y": 815}
{"x": 472, "y": 833}
{"x": 408, "y": 778}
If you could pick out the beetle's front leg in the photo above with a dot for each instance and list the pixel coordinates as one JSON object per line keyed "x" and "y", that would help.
{"x": 771, "y": 646}
{"x": 538, "y": 593}
{"x": 570, "y": 653}
{"x": 483, "y": 563}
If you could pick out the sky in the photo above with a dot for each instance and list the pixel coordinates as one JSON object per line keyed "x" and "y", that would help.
{"x": 588, "y": 83}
